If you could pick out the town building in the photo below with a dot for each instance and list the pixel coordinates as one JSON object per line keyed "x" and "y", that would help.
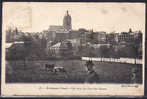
{"x": 61, "y": 32}
{"x": 100, "y": 36}
{"x": 126, "y": 37}
{"x": 63, "y": 48}
{"x": 62, "y": 36}
{"x": 74, "y": 34}
{"x": 56, "y": 28}
{"x": 112, "y": 38}
{"x": 54, "y": 50}
{"x": 130, "y": 36}
{"x": 83, "y": 39}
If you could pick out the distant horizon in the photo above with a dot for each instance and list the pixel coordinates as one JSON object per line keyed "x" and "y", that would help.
{"x": 108, "y": 17}
{"x": 77, "y": 30}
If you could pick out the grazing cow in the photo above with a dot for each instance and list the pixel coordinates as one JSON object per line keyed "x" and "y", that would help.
{"x": 59, "y": 69}
{"x": 52, "y": 68}
{"x": 55, "y": 70}
{"x": 49, "y": 67}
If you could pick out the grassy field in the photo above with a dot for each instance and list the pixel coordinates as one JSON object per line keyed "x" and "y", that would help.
{"x": 35, "y": 71}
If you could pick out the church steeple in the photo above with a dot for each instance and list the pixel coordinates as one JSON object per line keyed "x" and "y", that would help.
{"x": 67, "y": 21}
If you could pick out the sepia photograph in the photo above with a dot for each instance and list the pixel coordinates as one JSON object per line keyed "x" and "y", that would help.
{"x": 82, "y": 45}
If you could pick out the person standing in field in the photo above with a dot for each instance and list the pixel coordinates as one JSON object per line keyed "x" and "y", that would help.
{"x": 92, "y": 76}
{"x": 133, "y": 75}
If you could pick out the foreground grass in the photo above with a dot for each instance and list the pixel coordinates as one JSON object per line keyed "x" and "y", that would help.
{"x": 34, "y": 71}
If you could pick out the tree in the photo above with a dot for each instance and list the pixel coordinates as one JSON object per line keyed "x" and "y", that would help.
{"x": 104, "y": 52}
{"x": 9, "y": 35}
{"x": 130, "y": 30}
{"x": 66, "y": 49}
{"x": 42, "y": 46}
{"x": 27, "y": 47}
{"x": 16, "y": 51}
{"x": 130, "y": 51}
{"x": 90, "y": 51}
{"x": 92, "y": 39}
{"x": 69, "y": 48}
{"x": 135, "y": 51}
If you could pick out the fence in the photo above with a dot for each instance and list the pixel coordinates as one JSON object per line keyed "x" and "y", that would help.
{"x": 119, "y": 60}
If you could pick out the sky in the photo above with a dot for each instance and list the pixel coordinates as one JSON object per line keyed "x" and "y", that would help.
{"x": 109, "y": 17}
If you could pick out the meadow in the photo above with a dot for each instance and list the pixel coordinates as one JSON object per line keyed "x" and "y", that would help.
{"x": 35, "y": 72}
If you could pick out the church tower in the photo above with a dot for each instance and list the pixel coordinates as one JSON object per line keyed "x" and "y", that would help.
{"x": 67, "y": 21}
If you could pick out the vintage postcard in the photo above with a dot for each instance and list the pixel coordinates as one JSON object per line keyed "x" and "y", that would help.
{"x": 73, "y": 49}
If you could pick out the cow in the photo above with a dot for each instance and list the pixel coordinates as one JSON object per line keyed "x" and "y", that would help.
{"x": 59, "y": 69}
{"x": 54, "y": 69}
{"x": 49, "y": 67}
